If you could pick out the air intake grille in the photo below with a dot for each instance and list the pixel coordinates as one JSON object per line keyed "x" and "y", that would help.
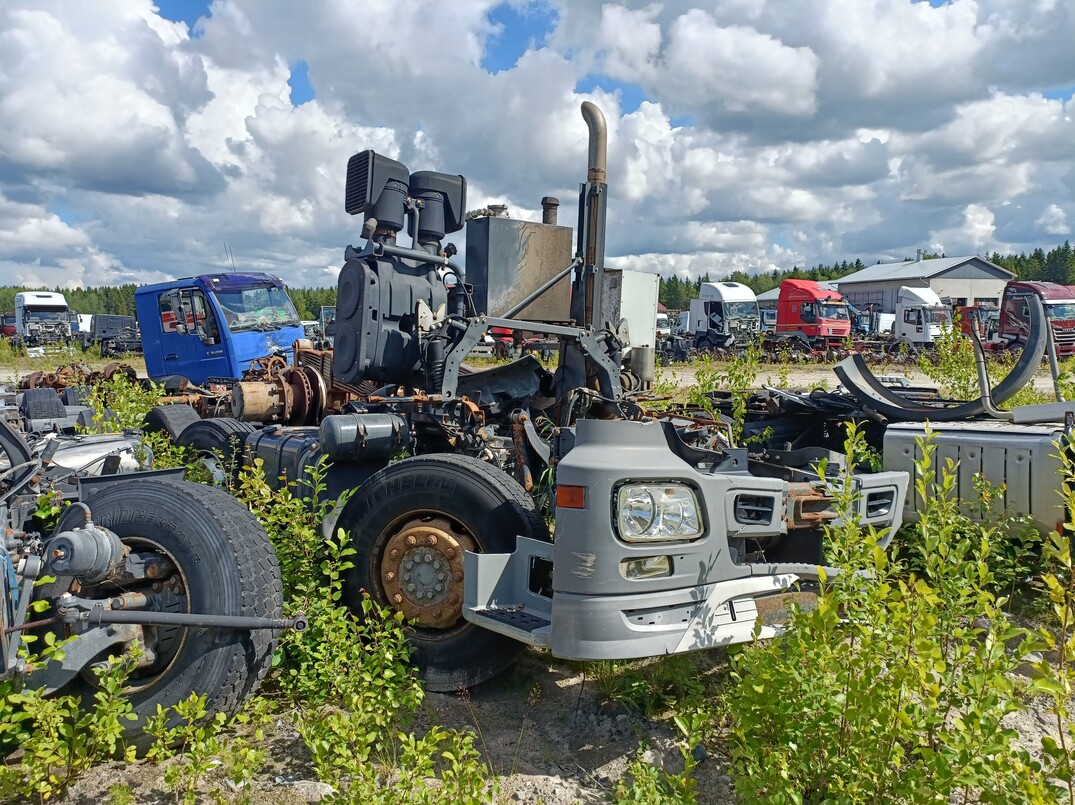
{"x": 754, "y": 509}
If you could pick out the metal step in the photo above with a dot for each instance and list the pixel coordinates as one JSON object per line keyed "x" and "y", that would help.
{"x": 515, "y": 623}
{"x": 497, "y": 592}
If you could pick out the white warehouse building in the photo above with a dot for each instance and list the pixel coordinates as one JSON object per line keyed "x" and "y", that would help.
{"x": 956, "y": 280}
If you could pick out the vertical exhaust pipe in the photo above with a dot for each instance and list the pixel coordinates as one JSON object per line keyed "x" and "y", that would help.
{"x": 587, "y": 307}
{"x": 549, "y": 206}
{"x": 598, "y": 156}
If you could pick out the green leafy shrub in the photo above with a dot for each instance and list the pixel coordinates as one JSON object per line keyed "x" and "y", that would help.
{"x": 1055, "y": 679}
{"x": 647, "y": 784}
{"x": 60, "y": 737}
{"x": 1015, "y": 555}
{"x": 350, "y": 678}
{"x": 895, "y": 687}
{"x": 203, "y": 752}
{"x": 120, "y": 403}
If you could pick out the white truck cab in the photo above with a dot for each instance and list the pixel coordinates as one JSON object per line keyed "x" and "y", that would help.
{"x": 42, "y": 318}
{"x": 920, "y": 314}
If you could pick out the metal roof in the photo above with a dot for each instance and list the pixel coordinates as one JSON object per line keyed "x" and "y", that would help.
{"x": 912, "y": 270}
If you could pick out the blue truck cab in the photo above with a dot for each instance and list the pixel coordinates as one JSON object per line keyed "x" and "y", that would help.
{"x": 209, "y": 328}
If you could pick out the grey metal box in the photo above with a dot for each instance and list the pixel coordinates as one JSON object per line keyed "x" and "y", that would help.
{"x": 508, "y": 259}
{"x": 1024, "y": 457}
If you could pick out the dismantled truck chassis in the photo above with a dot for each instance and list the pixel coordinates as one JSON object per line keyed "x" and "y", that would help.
{"x": 667, "y": 537}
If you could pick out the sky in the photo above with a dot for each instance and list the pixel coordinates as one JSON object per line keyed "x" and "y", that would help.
{"x": 143, "y": 142}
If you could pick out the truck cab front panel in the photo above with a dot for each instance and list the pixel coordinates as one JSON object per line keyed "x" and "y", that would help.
{"x": 746, "y": 538}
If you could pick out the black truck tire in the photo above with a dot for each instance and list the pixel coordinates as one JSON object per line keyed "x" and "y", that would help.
{"x": 218, "y": 439}
{"x": 42, "y": 403}
{"x": 170, "y": 419}
{"x": 470, "y": 505}
{"x": 226, "y": 565}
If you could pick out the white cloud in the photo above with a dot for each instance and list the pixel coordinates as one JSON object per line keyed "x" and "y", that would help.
{"x": 1054, "y": 221}
{"x": 769, "y": 133}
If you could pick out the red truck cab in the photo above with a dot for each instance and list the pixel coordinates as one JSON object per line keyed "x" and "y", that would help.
{"x": 806, "y": 310}
{"x": 984, "y": 320}
{"x": 1059, "y": 303}
{"x": 7, "y": 325}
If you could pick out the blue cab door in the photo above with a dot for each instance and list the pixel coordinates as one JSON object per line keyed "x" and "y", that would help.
{"x": 191, "y": 342}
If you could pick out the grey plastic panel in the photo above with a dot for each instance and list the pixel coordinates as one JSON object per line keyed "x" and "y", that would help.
{"x": 1021, "y": 456}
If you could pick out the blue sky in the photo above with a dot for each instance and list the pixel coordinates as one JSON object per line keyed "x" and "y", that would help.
{"x": 187, "y": 11}
{"x": 742, "y": 136}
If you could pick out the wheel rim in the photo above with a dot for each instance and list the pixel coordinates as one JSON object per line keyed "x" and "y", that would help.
{"x": 421, "y": 569}
{"x": 164, "y": 642}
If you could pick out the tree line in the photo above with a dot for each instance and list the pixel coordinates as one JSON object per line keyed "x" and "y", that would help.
{"x": 1055, "y": 265}
{"x": 119, "y": 299}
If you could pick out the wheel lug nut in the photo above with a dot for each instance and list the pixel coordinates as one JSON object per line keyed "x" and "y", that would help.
{"x": 389, "y": 575}
{"x": 440, "y": 576}
{"x": 410, "y": 588}
{"x": 450, "y": 553}
{"x": 397, "y": 598}
{"x": 432, "y": 539}
{"x": 394, "y": 553}
{"x": 438, "y": 587}
{"x": 412, "y": 540}
{"x": 458, "y": 575}
{"x": 408, "y": 564}
{"x": 436, "y": 564}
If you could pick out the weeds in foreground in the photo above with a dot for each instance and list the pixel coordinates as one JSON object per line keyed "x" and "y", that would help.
{"x": 349, "y": 677}
{"x": 1057, "y": 682}
{"x": 894, "y": 689}
{"x": 650, "y": 688}
{"x": 62, "y": 737}
{"x": 648, "y": 784}
{"x": 201, "y": 751}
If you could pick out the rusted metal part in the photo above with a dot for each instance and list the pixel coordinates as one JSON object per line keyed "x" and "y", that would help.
{"x": 113, "y": 369}
{"x": 774, "y": 610}
{"x": 807, "y": 506}
{"x": 422, "y": 570}
{"x": 519, "y": 441}
{"x": 31, "y": 381}
{"x": 332, "y": 394}
{"x": 301, "y": 396}
{"x": 75, "y": 374}
{"x": 258, "y": 401}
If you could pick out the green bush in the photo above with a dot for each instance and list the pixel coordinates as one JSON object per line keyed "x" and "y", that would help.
{"x": 895, "y": 687}
{"x": 349, "y": 678}
{"x": 60, "y": 738}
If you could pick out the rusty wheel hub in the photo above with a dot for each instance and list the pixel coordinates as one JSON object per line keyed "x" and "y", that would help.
{"x": 422, "y": 571}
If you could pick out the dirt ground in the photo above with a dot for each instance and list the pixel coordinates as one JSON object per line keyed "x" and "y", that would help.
{"x": 542, "y": 727}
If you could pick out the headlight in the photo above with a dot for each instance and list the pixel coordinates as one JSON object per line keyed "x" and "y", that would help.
{"x": 653, "y": 513}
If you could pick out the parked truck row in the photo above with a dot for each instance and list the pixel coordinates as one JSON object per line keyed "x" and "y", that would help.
{"x": 816, "y": 321}
{"x": 43, "y": 322}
